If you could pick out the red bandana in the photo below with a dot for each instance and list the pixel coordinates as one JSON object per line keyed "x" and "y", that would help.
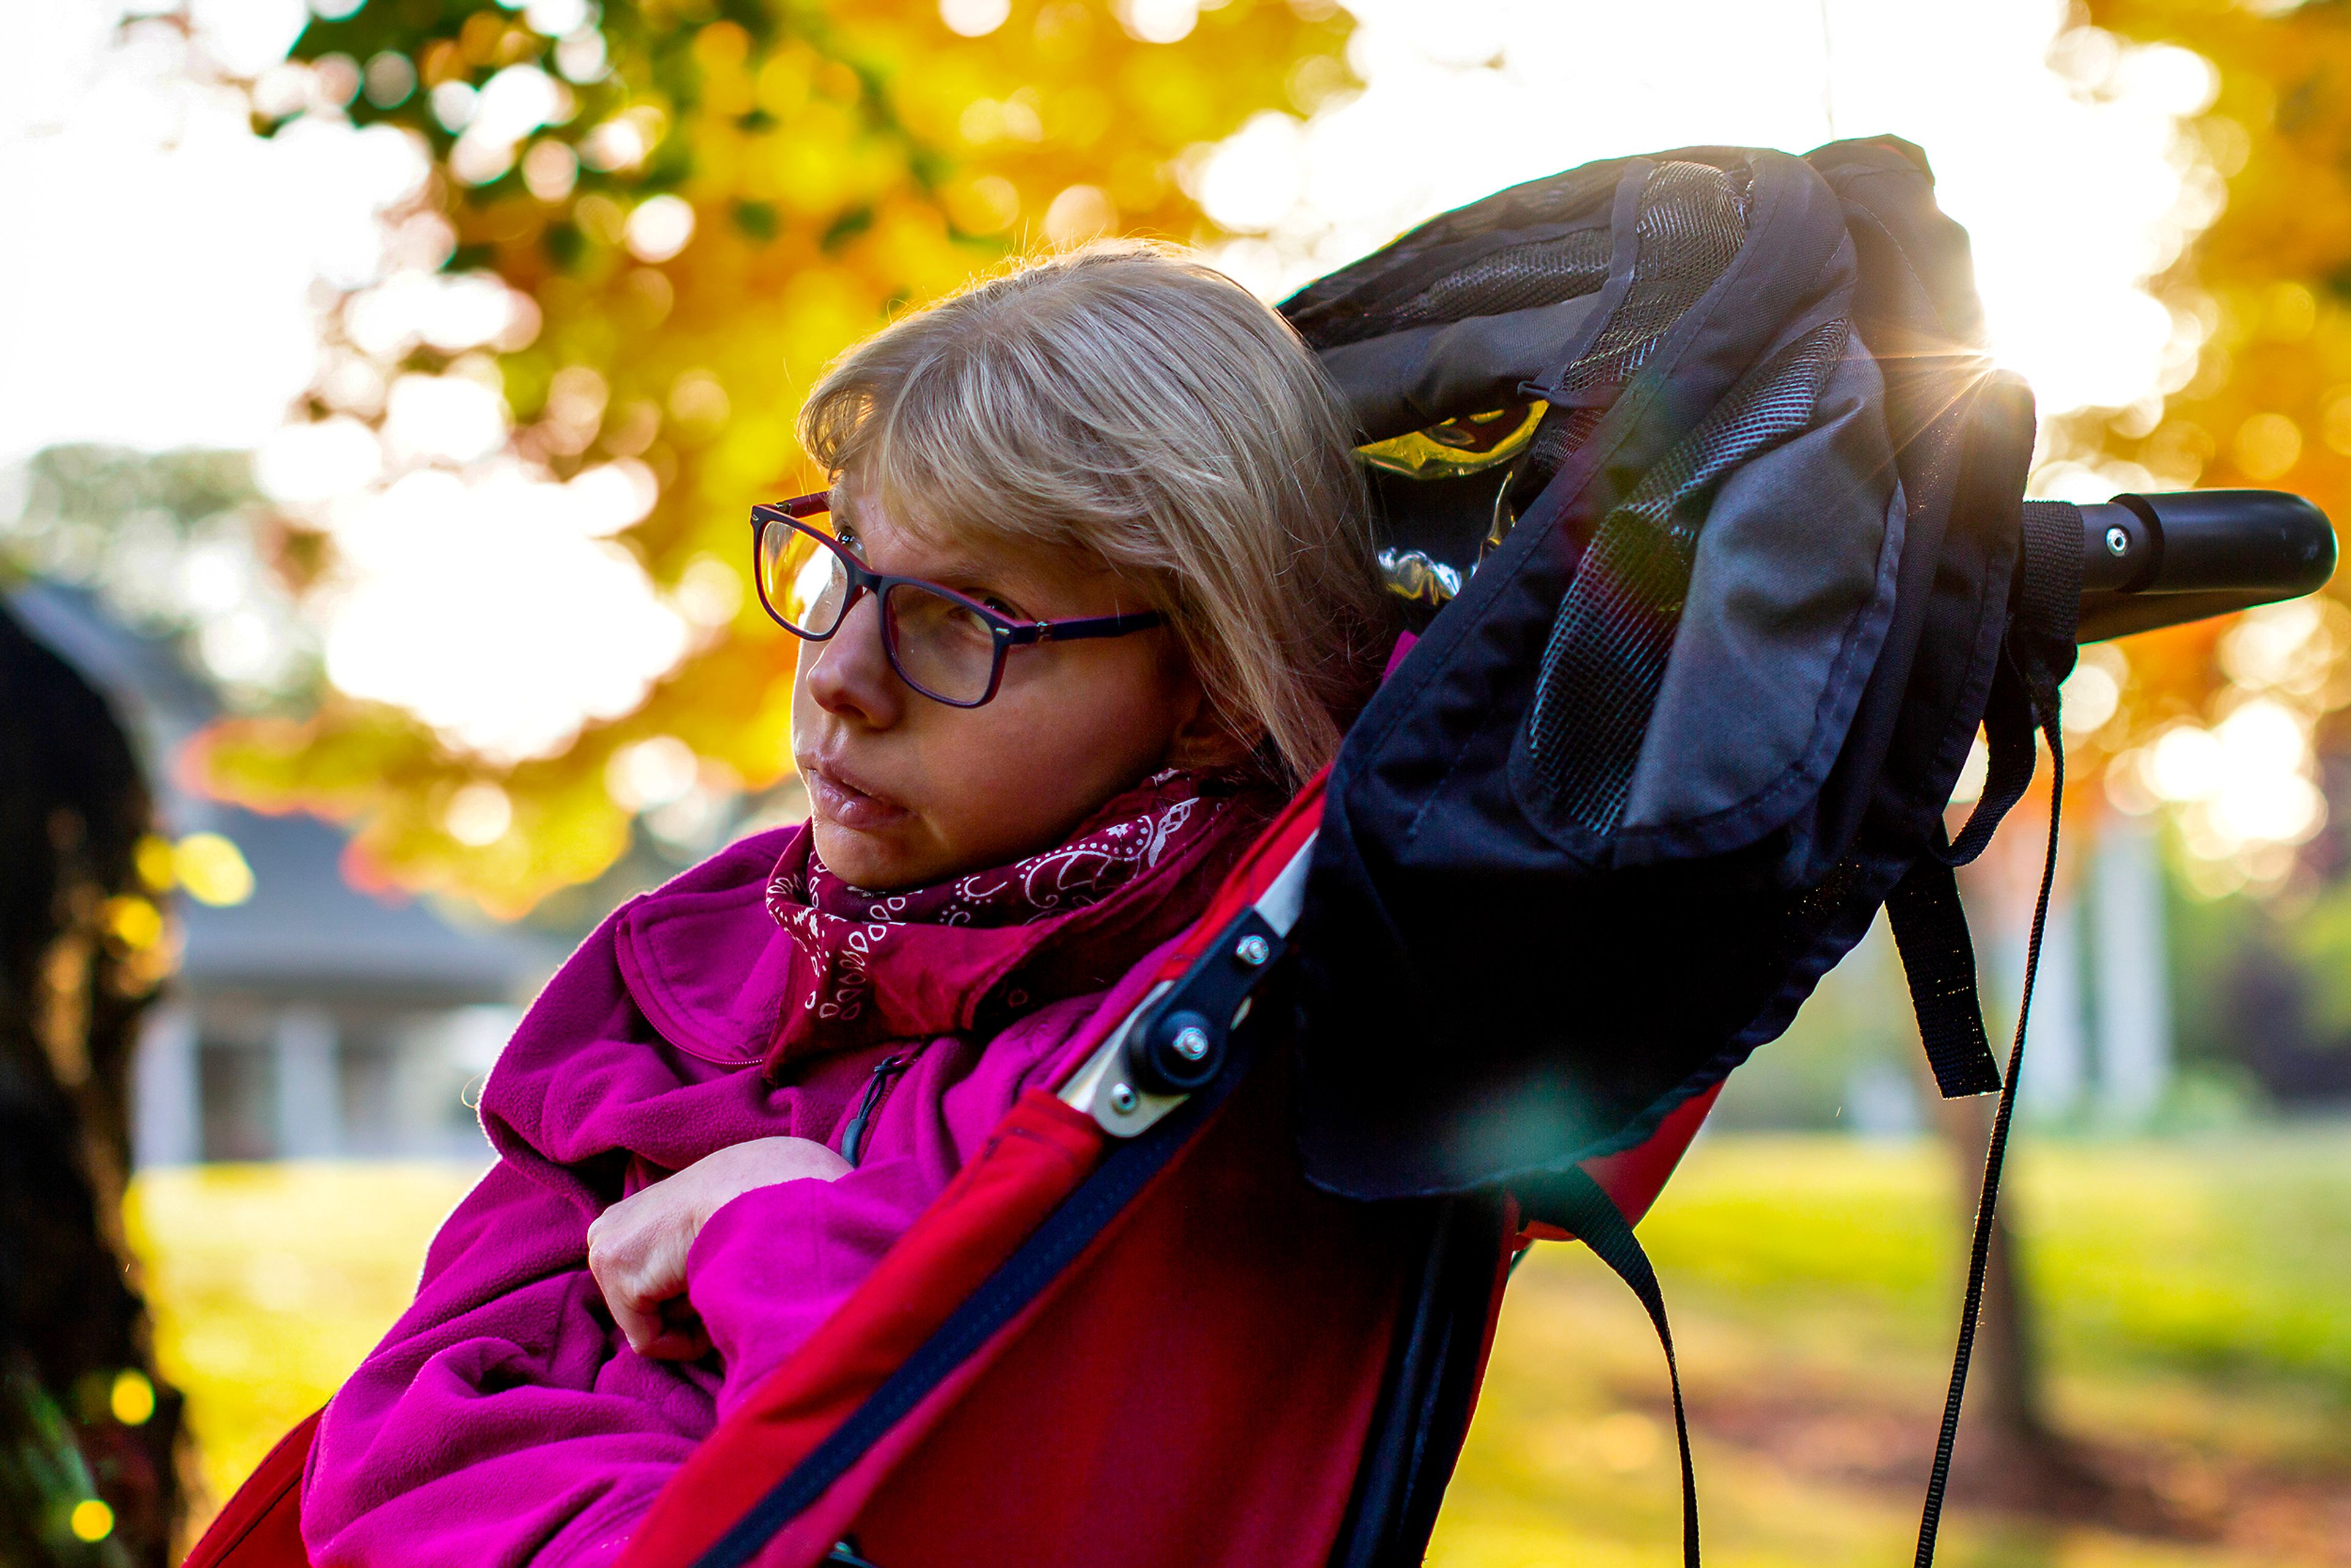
{"x": 972, "y": 951}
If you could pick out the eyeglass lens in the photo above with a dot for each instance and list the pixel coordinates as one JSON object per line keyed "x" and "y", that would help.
{"x": 942, "y": 647}
{"x": 937, "y": 644}
{"x": 804, "y": 580}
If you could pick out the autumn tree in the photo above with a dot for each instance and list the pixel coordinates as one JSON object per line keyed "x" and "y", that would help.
{"x": 2268, "y": 285}
{"x": 2269, "y": 282}
{"x": 703, "y": 201}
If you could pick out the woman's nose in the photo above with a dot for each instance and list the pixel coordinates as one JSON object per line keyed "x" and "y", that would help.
{"x": 849, "y": 673}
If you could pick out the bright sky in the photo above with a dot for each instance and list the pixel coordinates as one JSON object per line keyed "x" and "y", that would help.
{"x": 156, "y": 286}
{"x": 158, "y": 292}
{"x": 2063, "y": 169}
{"x": 166, "y": 276}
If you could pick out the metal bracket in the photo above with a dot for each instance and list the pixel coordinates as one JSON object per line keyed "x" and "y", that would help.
{"x": 1104, "y": 1090}
{"x": 1176, "y": 1041}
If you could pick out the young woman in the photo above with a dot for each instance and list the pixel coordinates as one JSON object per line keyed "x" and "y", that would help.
{"x": 1091, "y": 590}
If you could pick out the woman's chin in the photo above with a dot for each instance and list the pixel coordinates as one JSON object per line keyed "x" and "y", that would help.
{"x": 869, "y": 859}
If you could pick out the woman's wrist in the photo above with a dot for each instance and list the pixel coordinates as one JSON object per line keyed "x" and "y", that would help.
{"x": 728, "y": 1172}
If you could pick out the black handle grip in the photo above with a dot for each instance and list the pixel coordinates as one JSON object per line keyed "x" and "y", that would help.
{"x": 2162, "y": 560}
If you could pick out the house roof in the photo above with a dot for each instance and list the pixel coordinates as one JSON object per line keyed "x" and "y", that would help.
{"x": 306, "y": 932}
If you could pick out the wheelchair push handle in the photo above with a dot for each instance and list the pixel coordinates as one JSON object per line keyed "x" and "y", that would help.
{"x": 2162, "y": 560}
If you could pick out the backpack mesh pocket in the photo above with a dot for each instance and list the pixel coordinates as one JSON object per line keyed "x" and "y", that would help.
{"x": 1606, "y": 655}
{"x": 1692, "y": 221}
{"x": 1518, "y": 277}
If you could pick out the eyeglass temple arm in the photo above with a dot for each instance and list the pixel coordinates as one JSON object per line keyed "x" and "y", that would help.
{"x": 1089, "y": 626}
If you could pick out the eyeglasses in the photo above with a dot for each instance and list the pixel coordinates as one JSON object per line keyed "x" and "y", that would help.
{"x": 947, "y": 647}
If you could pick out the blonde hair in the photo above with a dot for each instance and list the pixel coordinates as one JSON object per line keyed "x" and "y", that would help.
{"x": 1123, "y": 401}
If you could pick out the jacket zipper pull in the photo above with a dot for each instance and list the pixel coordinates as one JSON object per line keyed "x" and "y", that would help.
{"x": 852, "y": 1140}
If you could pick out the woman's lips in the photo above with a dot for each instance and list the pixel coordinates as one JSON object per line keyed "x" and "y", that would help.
{"x": 838, "y": 801}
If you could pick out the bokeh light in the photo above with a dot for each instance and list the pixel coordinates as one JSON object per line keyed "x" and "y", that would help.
{"x": 659, "y": 228}
{"x": 91, "y": 1520}
{"x": 132, "y": 1398}
{"x": 651, "y": 772}
{"x": 212, "y": 869}
{"x": 975, "y": 19}
{"x": 2243, "y": 784}
{"x": 478, "y": 814}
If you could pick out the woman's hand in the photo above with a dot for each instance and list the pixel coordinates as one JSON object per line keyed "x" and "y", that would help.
{"x": 637, "y": 1248}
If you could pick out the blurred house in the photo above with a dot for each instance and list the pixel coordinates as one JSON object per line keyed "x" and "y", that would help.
{"x": 2102, "y": 1053}
{"x": 307, "y": 1020}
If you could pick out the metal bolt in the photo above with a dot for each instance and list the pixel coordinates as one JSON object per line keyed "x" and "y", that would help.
{"x": 1191, "y": 1044}
{"x": 1122, "y": 1099}
{"x": 2118, "y": 540}
{"x": 1253, "y": 950}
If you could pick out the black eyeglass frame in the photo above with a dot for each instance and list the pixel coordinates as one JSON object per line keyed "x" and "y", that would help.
{"x": 1006, "y": 633}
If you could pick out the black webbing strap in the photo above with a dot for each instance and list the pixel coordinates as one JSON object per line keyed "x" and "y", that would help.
{"x": 2008, "y": 741}
{"x": 2049, "y": 591}
{"x": 2040, "y": 653}
{"x": 2048, "y": 602}
{"x": 1930, "y": 932}
{"x": 1980, "y": 1250}
{"x": 1574, "y": 1203}
{"x": 1037, "y": 1263}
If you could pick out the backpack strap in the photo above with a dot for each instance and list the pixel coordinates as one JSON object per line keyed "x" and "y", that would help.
{"x": 2039, "y": 654}
{"x": 1930, "y": 932}
{"x": 2040, "y": 650}
{"x": 1980, "y": 1246}
{"x": 1930, "y": 927}
{"x": 1572, "y": 1201}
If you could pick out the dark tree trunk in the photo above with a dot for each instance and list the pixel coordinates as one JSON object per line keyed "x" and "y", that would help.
{"x": 2009, "y": 1454}
{"x": 2012, "y": 1454}
{"x": 2006, "y": 1415}
{"x": 83, "y": 1417}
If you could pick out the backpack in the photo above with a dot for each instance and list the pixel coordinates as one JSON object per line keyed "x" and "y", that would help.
{"x": 1708, "y": 501}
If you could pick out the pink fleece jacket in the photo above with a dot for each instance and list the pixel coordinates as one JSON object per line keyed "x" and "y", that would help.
{"x": 503, "y": 1420}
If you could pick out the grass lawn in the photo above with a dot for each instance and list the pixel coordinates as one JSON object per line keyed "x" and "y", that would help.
{"x": 2196, "y": 1303}
{"x": 269, "y": 1283}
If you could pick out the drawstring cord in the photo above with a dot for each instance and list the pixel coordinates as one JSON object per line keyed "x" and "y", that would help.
{"x": 885, "y": 1071}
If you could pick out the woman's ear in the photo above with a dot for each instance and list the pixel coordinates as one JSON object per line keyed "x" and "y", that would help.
{"x": 1202, "y": 741}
